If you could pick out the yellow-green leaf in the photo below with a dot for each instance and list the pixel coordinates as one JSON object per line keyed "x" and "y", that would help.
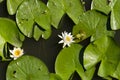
{"x": 12, "y": 6}
{"x": 101, "y": 5}
{"x": 115, "y": 10}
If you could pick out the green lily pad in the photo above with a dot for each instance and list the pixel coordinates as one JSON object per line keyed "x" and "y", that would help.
{"x": 37, "y": 33}
{"x": 27, "y": 16}
{"x": 106, "y": 51}
{"x": 55, "y": 77}
{"x": 73, "y": 8}
{"x": 56, "y": 11}
{"x": 27, "y": 68}
{"x": 9, "y": 33}
{"x": 8, "y": 27}
{"x": 115, "y": 10}
{"x": 67, "y": 63}
{"x": 101, "y": 5}
{"x": 2, "y": 44}
{"x": 93, "y": 24}
{"x": 116, "y": 73}
{"x": 12, "y": 6}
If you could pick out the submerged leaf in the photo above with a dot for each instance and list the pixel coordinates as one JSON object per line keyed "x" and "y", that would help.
{"x": 27, "y": 16}
{"x": 27, "y": 68}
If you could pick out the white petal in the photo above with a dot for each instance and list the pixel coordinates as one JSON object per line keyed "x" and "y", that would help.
{"x": 72, "y": 41}
{"x": 21, "y": 54}
{"x": 64, "y": 45}
{"x": 22, "y": 51}
{"x": 63, "y": 35}
{"x": 61, "y": 41}
{"x": 70, "y": 34}
{"x": 15, "y": 58}
{"x": 64, "y": 40}
{"x": 14, "y": 48}
{"x": 11, "y": 51}
{"x": 60, "y": 36}
{"x": 65, "y": 32}
{"x": 11, "y": 56}
{"x": 68, "y": 45}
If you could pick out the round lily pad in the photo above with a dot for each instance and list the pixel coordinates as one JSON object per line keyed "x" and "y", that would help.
{"x": 27, "y": 68}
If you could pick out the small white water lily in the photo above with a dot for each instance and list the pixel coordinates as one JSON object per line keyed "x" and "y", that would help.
{"x": 67, "y": 39}
{"x": 16, "y": 53}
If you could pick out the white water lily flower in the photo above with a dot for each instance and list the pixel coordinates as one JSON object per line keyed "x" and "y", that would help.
{"x": 16, "y": 53}
{"x": 67, "y": 39}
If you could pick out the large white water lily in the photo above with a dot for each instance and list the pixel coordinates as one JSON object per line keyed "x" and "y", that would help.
{"x": 67, "y": 39}
{"x": 16, "y": 53}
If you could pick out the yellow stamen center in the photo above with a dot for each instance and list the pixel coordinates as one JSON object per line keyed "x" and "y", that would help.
{"x": 68, "y": 38}
{"x": 17, "y": 52}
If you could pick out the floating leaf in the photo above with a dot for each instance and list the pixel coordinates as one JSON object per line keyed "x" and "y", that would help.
{"x": 92, "y": 24}
{"x": 67, "y": 63}
{"x": 73, "y": 8}
{"x": 2, "y": 44}
{"x": 116, "y": 74}
{"x": 12, "y": 6}
{"x": 9, "y": 33}
{"x": 57, "y": 11}
{"x": 110, "y": 62}
{"x": 8, "y": 27}
{"x": 47, "y": 33}
{"x": 115, "y": 10}
{"x": 54, "y": 77}
{"x": 101, "y": 5}
{"x": 106, "y": 51}
{"x": 27, "y": 68}
{"x": 37, "y": 32}
{"x": 27, "y": 16}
